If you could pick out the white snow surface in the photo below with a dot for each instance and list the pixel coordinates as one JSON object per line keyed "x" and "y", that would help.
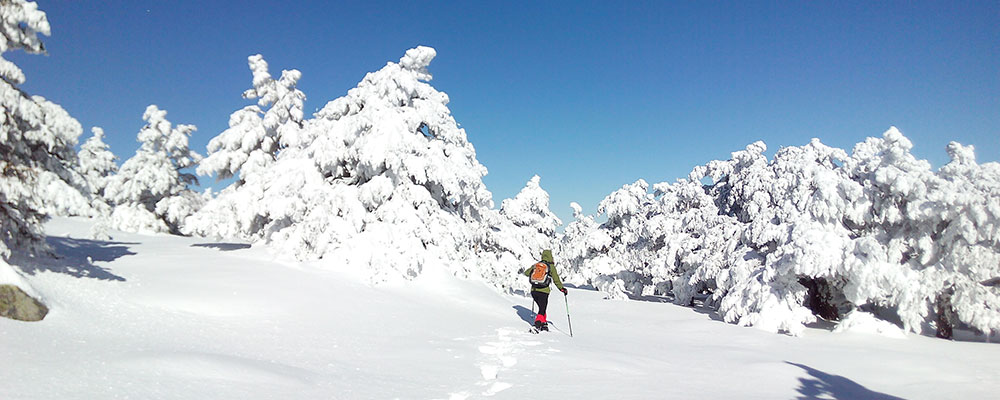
{"x": 168, "y": 317}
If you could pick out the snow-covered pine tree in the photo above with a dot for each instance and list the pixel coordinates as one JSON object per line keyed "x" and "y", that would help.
{"x": 646, "y": 242}
{"x": 813, "y": 232}
{"x": 96, "y": 165}
{"x": 250, "y": 146}
{"x": 515, "y": 236}
{"x": 966, "y": 255}
{"x": 36, "y": 148}
{"x": 256, "y": 133}
{"x": 61, "y": 189}
{"x": 529, "y": 209}
{"x": 583, "y": 242}
{"x": 36, "y": 141}
{"x": 615, "y": 268}
{"x": 936, "y": 250}
{"x": 790, "y": 213}
{"x": 150, "y": 193}
{"x": 382, "y": 180}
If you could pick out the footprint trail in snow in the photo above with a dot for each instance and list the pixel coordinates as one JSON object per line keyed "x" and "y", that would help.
{"x": 499, "y": 356}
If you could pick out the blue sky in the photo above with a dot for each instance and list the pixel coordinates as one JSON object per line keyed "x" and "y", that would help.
{"x": 588, "y": 95}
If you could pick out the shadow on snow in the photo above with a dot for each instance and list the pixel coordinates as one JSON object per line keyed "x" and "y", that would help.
{"x": 223, "y": 246}
{"x": 526, "y": 315}
{"x": 76, "y": 258}
{"x": 821, "y": 385}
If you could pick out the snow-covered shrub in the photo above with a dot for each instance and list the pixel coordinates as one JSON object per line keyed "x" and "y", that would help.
{"x": 382, "y": 179}
{"x": 150, "y": 193}
{"x": 811, "y": 232}
{"x": 37, "y": 140}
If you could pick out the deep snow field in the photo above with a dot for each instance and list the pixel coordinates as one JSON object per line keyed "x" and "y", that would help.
{"x": 167, "y": 317}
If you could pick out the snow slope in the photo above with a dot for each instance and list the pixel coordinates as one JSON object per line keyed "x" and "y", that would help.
{"x": 166, "y": 317}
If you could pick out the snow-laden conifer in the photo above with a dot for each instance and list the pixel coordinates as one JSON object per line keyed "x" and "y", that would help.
{"x": 517, "y": 235}
{"x": 530, "y": 208}
{"x": 36, "y": 141}
{"x": 382, "y": 180}
{"x": 37, "y": 138}
{"x": 150, "y": 193}
{"x": 813, "y": 232}
{"x": 96, "y": 165}
{"x": 257, "y": 132}
{"x": 529, "y": 212}
{"x": 938, "y": 255}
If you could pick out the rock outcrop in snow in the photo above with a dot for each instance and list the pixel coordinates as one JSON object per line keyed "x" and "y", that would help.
{"x": 16, "y": 304}
{"x": 812, "y": 232}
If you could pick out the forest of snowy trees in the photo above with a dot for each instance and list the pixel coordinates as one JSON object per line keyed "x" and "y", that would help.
{"x": 384, "y": 180}
{"x": 812, "y": 232}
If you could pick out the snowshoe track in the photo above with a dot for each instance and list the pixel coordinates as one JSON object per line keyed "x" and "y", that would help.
{"x": 498, "y": 355}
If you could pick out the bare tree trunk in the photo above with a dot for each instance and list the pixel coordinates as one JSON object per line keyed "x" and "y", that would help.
{"x": 819, "y": 298}
{"x": 945, "y": 318}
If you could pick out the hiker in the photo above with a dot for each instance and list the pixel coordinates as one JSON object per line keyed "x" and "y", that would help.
{"x": 542, "y": 274}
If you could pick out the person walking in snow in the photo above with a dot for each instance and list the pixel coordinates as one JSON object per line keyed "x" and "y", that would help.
{"x": 541, "y": 275}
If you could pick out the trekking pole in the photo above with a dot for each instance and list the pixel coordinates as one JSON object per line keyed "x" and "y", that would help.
{"x": 569, "y": 321}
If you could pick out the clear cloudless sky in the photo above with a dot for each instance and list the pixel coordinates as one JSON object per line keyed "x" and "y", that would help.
{"x": 590, "y": 95}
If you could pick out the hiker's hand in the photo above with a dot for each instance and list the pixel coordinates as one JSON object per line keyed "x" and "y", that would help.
{"x": 565, "y": 292}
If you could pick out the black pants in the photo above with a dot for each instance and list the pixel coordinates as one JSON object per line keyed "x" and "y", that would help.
{"x": 542, "y": 299}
